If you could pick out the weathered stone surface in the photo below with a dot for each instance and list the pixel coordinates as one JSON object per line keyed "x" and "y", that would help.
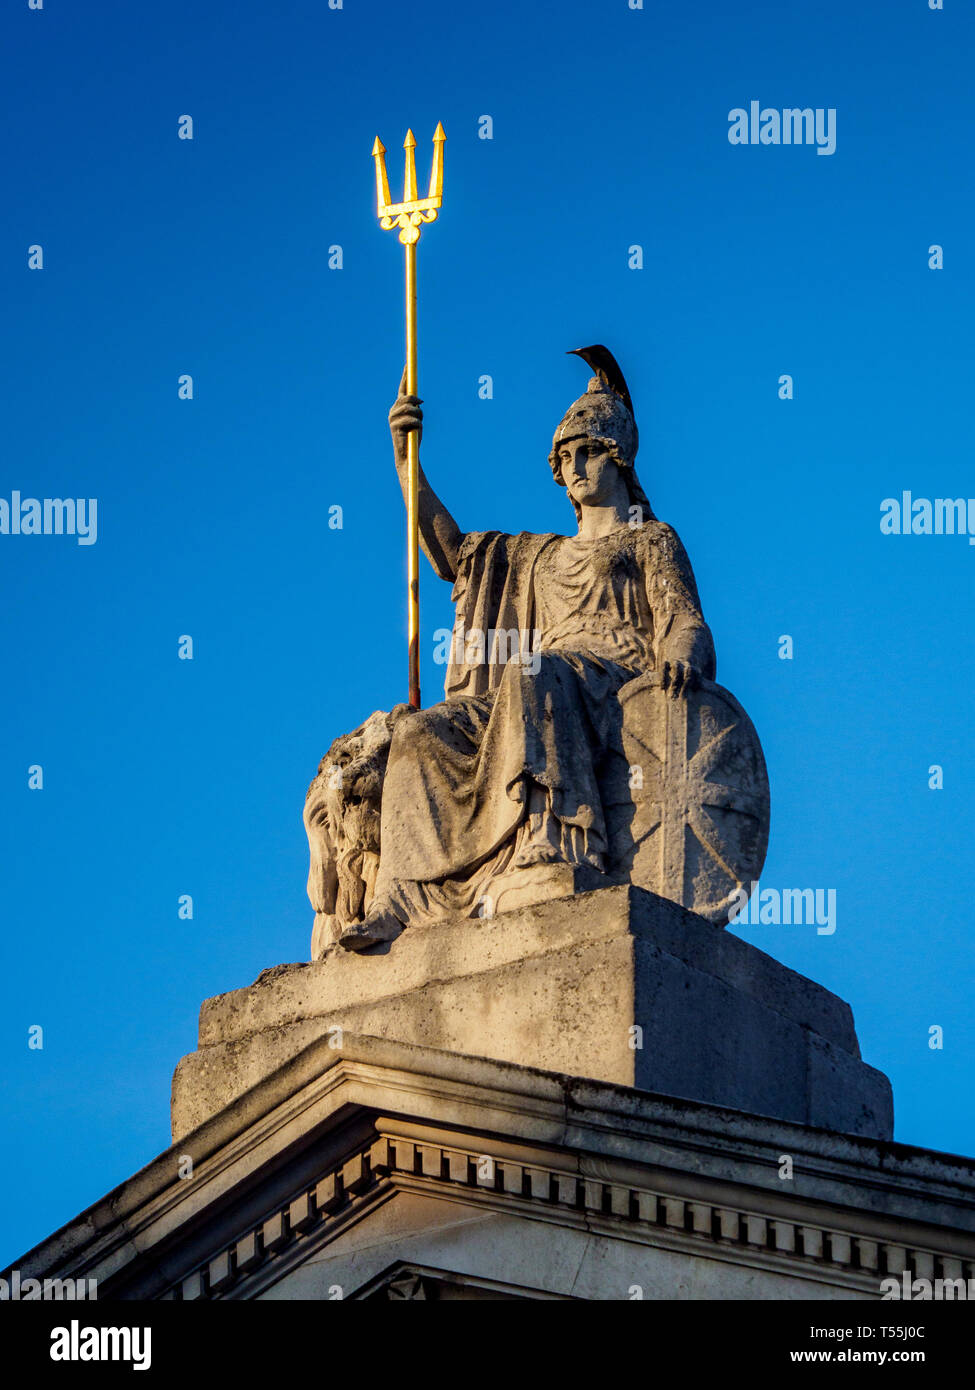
{"x": 561, "y": 985}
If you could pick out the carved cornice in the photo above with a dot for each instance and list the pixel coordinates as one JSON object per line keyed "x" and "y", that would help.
{"x": 743, "y": 1235}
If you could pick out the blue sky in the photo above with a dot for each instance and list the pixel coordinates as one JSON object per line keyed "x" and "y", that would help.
{"x": 209, "y": 257}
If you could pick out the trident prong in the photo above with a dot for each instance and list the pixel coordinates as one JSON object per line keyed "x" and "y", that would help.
{"x": 408, "y": 216}
{"x": 409, "y": 181}
{"x": 436, "y": 173}
{"x": 382, "y": 182}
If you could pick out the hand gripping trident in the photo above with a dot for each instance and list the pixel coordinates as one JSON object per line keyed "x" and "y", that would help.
{"x": 408, "y": 216}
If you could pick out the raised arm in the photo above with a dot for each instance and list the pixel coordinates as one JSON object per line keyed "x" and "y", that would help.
{"x": 440, "y": 536}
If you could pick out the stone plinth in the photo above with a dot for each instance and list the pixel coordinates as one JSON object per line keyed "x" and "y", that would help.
{"x": 616, "y": 985}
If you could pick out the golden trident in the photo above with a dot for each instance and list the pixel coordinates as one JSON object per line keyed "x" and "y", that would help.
{"x": 408, "y": 216}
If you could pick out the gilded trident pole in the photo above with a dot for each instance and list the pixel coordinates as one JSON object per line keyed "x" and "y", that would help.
{"x": 408, "y": 216}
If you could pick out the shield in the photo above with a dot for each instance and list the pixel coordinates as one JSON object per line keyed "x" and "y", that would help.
{"x": 697, "y": 828}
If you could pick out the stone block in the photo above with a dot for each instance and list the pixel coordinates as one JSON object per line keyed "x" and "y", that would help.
{"x": 615, "y": 985}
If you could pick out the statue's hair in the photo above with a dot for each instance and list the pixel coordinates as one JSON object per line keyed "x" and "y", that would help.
{"x": 638, "y": 498}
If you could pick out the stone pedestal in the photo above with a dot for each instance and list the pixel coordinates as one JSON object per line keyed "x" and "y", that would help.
{"x": 616, "y": 985}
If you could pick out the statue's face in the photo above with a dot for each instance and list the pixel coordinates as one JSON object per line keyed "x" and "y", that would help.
{"x": 590, "y": 475}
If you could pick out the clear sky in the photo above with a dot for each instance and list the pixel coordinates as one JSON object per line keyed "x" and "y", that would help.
{"x": 209, "y": 257}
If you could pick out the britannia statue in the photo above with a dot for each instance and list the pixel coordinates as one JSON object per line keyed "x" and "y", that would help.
{"x": 582, "y": 740}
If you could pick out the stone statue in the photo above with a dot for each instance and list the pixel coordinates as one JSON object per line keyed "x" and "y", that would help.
{"x": 582, "y": 741}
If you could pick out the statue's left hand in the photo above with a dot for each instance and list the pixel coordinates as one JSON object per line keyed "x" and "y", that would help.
{"x": 678, "y": 678}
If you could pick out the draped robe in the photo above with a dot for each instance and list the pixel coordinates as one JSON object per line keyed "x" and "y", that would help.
{"x": 513, "y": 752}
